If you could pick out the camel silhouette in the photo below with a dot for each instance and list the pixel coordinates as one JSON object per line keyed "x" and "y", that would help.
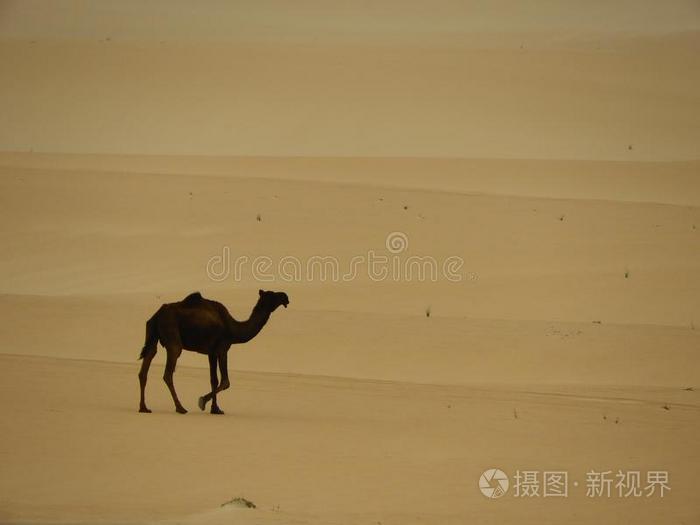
{"x": 203, "y": 326}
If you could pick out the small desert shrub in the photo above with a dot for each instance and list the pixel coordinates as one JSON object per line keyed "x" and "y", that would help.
{"x": 240, "y": 502}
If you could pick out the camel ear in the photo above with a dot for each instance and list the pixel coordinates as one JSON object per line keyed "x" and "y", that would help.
{"x": 260, "y": 292}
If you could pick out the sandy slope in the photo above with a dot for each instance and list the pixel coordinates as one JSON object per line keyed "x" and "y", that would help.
{"x": 628, "y": 181}
{"x": 323, "y": 450}
{"x": 548, "y": 329}
{"x": 95, "y": 253}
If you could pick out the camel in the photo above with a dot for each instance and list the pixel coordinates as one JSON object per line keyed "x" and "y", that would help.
{"x": 203, "y": 326}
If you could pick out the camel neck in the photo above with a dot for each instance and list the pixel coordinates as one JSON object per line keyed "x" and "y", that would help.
{"x": 251, "y": 327}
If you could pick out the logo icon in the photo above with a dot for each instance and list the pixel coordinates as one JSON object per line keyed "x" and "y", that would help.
{"x": 396, "y": 242}
{"x": 493, "y": 483}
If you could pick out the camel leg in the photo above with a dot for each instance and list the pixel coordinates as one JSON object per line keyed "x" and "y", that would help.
{"x": 214, "y": 383}
{"x": 223, "y": 385}
{"x": 173, "y": 354}
{"x": 143, "y": 376}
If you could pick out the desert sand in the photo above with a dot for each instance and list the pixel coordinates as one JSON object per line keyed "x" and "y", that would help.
{"x": 554, "y": 153}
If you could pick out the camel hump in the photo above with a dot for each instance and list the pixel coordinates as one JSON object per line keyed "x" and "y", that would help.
{"x": 193, "y": 299}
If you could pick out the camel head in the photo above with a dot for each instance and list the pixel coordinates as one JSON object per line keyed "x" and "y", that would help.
{"x": 272, "y": 300}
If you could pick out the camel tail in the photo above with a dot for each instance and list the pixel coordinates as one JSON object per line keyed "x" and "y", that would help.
{"x": 151, "y": 335}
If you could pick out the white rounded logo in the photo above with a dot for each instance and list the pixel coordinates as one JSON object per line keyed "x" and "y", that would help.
{"x": 493, "y": 483}
{"x": 396, "y": 242}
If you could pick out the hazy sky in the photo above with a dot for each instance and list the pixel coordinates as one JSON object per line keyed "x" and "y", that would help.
{"x": 311, "y": 20}
{"x": 488, "y": 79}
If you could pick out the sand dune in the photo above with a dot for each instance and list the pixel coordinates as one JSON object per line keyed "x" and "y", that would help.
{"x": 268, "y": 99}
{"x": 352, "y": 406}
{"x": 659, "y": 182}
{"x": 147, "y": 149}
{"x": 563, "y": 259}
{"x": 439, "y": 350}
{"x": 309, "y": 449}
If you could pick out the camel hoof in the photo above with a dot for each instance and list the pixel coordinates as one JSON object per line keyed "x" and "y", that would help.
{"x": 181, "y": 410}
{"x": 202, "y": 403}
{"x": 145, "y": 410}
{"x": 216, "y": 410}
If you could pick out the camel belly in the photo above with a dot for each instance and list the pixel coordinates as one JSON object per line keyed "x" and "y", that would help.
{"x": 200, "y": 332}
